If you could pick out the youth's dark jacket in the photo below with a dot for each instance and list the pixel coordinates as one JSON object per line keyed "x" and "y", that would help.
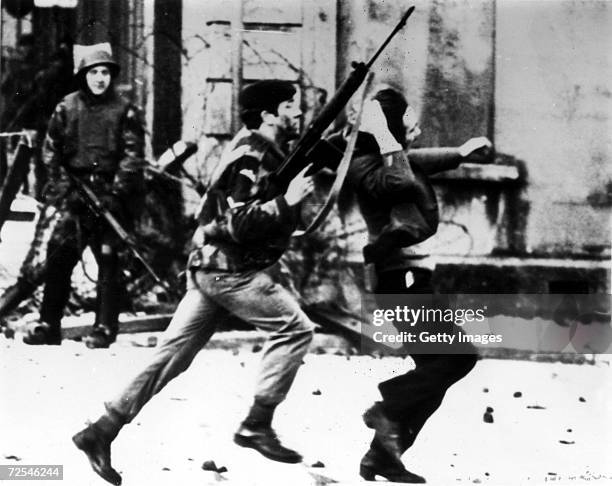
{"x": 395, "y": 197}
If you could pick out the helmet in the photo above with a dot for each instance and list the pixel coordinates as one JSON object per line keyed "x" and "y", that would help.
{"x": 97, "y": 55}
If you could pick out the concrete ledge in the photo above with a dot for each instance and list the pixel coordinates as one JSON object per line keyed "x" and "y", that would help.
{"x": 479, "y": 172}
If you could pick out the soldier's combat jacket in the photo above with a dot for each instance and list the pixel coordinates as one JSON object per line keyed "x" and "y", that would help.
{"x": 99, "y": 139}
{"x": 239, "y": 231}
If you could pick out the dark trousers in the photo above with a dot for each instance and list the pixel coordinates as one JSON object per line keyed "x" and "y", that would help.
{"x": 413, "y": 397}
{"x": 73, "y": 233}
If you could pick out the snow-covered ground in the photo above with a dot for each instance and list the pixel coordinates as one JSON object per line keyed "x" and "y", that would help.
{"x": 48, "y": 392}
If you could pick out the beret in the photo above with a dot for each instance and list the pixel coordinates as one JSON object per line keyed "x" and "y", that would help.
{"x": 265, "y": 95}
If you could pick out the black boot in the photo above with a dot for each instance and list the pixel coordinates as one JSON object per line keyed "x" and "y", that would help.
{"x": 95, "y": 441}
{"x": 100, "y": 337}
{"x": 43, "y": 333}
{"x": 379, "y": 463}
{"x": 388, "y": 432}
{"x": 265, "y": 441}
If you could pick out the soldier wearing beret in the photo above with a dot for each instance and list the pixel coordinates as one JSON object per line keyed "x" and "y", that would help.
{"x": 239, "y": 236}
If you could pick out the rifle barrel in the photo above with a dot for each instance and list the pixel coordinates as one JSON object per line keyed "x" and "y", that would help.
{"x": 401, "y": 24}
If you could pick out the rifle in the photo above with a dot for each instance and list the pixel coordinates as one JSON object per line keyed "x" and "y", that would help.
{"x": 298, "y": 158}
{"x": 34, "y": 268}
{"x": 101, "y": 211}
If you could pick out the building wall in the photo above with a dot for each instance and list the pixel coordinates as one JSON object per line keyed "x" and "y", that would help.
{"x": 292, "y": 40}
{"x": 535, "y": 78}
{"x": 443, "y": 61}
{"x": 553, "y": 105}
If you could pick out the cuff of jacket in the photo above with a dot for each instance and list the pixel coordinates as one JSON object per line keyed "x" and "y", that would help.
{"x": 284, "y": 210}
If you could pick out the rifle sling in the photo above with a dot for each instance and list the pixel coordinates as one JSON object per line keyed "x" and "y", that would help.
{"x": 341, "y": 171}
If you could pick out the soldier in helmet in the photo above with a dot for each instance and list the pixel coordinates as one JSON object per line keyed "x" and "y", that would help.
{"x": 98, "y": 137}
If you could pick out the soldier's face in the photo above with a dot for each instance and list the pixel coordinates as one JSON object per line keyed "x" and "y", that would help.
{"x": 411, "y": 122}
{"x": 98, "y": 79}
{"x": 288, "y": 119}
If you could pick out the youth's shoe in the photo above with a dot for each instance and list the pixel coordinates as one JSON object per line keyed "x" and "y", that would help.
{"x": 388, "y": 432}
{"x": 266, "y": 442}
{"x": 96, "y": 446}
{"x": 377, "y": 464}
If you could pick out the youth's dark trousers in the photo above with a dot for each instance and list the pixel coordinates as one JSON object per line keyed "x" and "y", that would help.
{"x": 413, "y": 397}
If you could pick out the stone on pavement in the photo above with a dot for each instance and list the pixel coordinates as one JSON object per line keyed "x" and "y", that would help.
{"x": 39, "y": 415}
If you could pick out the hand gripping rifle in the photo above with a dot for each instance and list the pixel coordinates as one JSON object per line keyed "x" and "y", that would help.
{"x": 101, "y": 211}
{"x": 298, "y": 159}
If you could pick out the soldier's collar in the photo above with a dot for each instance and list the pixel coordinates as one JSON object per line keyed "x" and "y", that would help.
{"x": 267, "y": 144}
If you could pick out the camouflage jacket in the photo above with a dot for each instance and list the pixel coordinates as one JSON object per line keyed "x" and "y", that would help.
{"x": 239, "y": 231}
{"x": 101, "y": 139}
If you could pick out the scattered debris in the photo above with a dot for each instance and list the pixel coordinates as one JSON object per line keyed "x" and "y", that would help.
{"x": 488, "y": 416}
{"x": 165, "y": 469}
{"x": 536, "y": 407}
{"x": 316, "y": 392}
{"x": 582, "y": 399}
{"x": 211, "y": 466}
{"x": 487, "y": 474}
{"x": 178, "y": 399}
{"x": 12, "y": 457}
{"x": 517, "y": 394}
{"x": 569, "y": 430}
{"x": 321, "y": 480}
{"x": 552, "y": 474}
{"x": 317, "y": 464}
{"x": 569, "y": 442}
{"x": 477, "y": 481}
{"x": 486, "y": 390}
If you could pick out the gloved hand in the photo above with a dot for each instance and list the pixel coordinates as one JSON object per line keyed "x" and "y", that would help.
{"x": 374, "y": 122}
{"x": 477, "y": 150}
